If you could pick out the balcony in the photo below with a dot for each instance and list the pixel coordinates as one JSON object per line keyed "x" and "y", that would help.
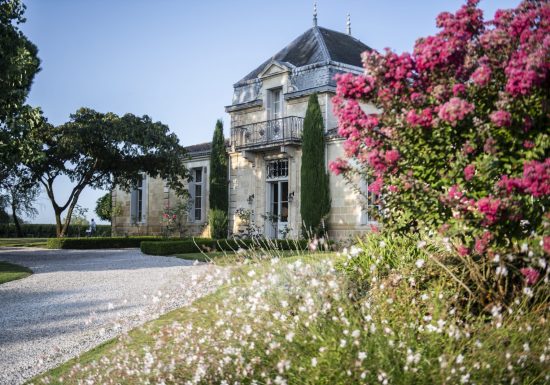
{"x": 271, "y": 133}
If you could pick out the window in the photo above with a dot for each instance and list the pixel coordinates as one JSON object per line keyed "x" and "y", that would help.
{"x": 196, "y": 189}
{"x": 369, "y": 203}
{"x": 275, "y": 104}
{"x": 138, "y": 201}
{"x": 277, "y": 169}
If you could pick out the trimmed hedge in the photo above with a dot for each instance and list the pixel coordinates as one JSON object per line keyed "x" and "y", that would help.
{"x": 201, "y": 244}
{"x": 36, "y": 230}
{"x": 98, "y": 242}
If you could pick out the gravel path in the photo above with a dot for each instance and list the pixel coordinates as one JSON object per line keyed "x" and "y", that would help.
{"x": 77, "y": 299}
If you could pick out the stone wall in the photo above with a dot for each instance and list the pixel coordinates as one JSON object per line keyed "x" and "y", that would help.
{"x": 156, "y": 198}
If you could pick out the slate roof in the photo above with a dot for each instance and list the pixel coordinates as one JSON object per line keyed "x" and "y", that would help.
{"x": 317, "y": 45}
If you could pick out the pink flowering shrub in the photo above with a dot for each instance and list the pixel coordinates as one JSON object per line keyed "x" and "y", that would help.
{"x": 461, "y": 141}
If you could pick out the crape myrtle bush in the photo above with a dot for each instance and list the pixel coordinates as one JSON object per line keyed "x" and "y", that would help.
{"x": 206, "y": 245}
{"x": 34, "y": 230}
{"x": 99, "y": 242}
{"x": 460, "y": 141}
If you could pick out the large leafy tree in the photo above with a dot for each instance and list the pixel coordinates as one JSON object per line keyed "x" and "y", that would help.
{"x": 314, "y": 193}
{"x": 18, "y": 65}
{"x": 217, "y": 196}
{"x": 101, "y": 150}
{"x": 18, "y": 59}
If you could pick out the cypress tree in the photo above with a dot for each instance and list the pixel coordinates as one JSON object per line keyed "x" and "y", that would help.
{"x": 314, "y": 193}
{"x": 218, "y": 171}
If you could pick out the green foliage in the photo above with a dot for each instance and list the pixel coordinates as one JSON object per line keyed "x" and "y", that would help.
{"x": 98, "y": 242}
{"x": 18, "y": 59}
{"x": 218, "y": 194}
{"x": 217, "y": 219}
{"x": 314, "y": 188}
{"x": 100, "y": 150}
{"x": 207, "y": 245}
{"x": 37, "y": 230}
{"x": 104, "y": 207}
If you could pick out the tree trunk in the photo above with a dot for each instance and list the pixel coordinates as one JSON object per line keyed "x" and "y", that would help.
{"x": 58, "y": 227}
{"x": 18, "y": 231}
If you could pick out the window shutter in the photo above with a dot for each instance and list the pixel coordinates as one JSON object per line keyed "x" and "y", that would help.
{"x": 133, "y": 205}
{"x": 268, "y": 104}
{"x": 191, "y": 188}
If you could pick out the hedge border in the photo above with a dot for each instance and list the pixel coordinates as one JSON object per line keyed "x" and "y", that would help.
{"x": 197, "y": 245}
{"x": 98, "y": 242}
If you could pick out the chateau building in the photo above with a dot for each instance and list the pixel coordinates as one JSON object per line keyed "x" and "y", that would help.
{"x": 264, "y": 148}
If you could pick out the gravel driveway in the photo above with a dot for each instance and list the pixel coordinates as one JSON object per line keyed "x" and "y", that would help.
{"x": 77, "y": 299}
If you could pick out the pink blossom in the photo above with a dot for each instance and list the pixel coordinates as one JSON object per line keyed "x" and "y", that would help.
{"x": 531, "y": 275}
{"x": 482, "y": 243}
{"x": 422, "y": 119}
{"x": 535, "y": 179}
{"x": 454, "y": 192}
{"x": 339, "y": 166}
{"x": 391, "y": 156}
{"x": 482, "y": 75}
{"x": 469, "y": 171}
{"x": 528, "y": 144}
{"x": 455, "y": 110}
{"x": 462, "y": 250}
{"x": 501, "y": 118}
{"x": 376, "y": 186}
{"x": 546, "y": 244}
{"x": 459, "y": 89}
{"x": 490, "y": 208}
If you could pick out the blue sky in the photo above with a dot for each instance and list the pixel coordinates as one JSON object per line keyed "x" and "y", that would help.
{"x": 176, "y": 61}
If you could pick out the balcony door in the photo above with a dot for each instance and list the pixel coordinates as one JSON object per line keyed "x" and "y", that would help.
{"x": 274, "y": 113}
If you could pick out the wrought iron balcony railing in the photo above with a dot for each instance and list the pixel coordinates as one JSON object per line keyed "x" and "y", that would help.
{"x": 271, "y": 132}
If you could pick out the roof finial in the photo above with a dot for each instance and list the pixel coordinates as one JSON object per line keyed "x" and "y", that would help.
{"x": 348, "y": 25}
{"x": 315, "y": 14}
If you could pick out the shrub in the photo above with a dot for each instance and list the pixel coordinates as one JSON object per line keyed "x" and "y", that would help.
{"x": 461, "y": 142}
{"x": 205, "y": 245}
{"x": 217, "y": 219}
{"x": 36, "y": 230}
{"x": 98, "y": 242}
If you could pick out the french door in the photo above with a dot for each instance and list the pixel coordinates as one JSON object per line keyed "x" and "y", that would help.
{"x": 278, "y": 206}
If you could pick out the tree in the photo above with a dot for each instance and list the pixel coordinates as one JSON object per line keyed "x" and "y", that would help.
{"x": 20, "y": 192}
{"x": 314, "y": 193}
{"x": 461, "y": 144}
{"x": 104, "y": 207}
{"x": 101, "y": 150}
{"x": 18, "y": 59}
{"x": 218, "y": 195}
{"x": 18, "y": 65}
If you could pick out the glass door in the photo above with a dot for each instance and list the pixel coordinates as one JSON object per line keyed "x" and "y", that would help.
{"x": 278, "y": 215}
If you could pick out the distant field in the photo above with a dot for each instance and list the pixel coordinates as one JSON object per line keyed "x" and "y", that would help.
{"x": 23, "y": 242}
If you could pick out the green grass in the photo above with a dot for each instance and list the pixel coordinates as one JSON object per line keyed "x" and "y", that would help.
{"x": 23, "y": 242}
{"x": 223, "y": 258}
{"x": 11, "y": 272}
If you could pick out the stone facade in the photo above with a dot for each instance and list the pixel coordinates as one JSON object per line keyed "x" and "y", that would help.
{"x": 264, "y": 150}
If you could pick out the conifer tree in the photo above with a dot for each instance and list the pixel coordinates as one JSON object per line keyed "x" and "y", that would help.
{"x": 218, "y": 197}
{"x": 314, "y": 194}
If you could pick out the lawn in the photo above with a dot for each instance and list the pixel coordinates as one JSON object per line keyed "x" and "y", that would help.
{"x": 23, "y": 242}
{"x": 11, "y": 272}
